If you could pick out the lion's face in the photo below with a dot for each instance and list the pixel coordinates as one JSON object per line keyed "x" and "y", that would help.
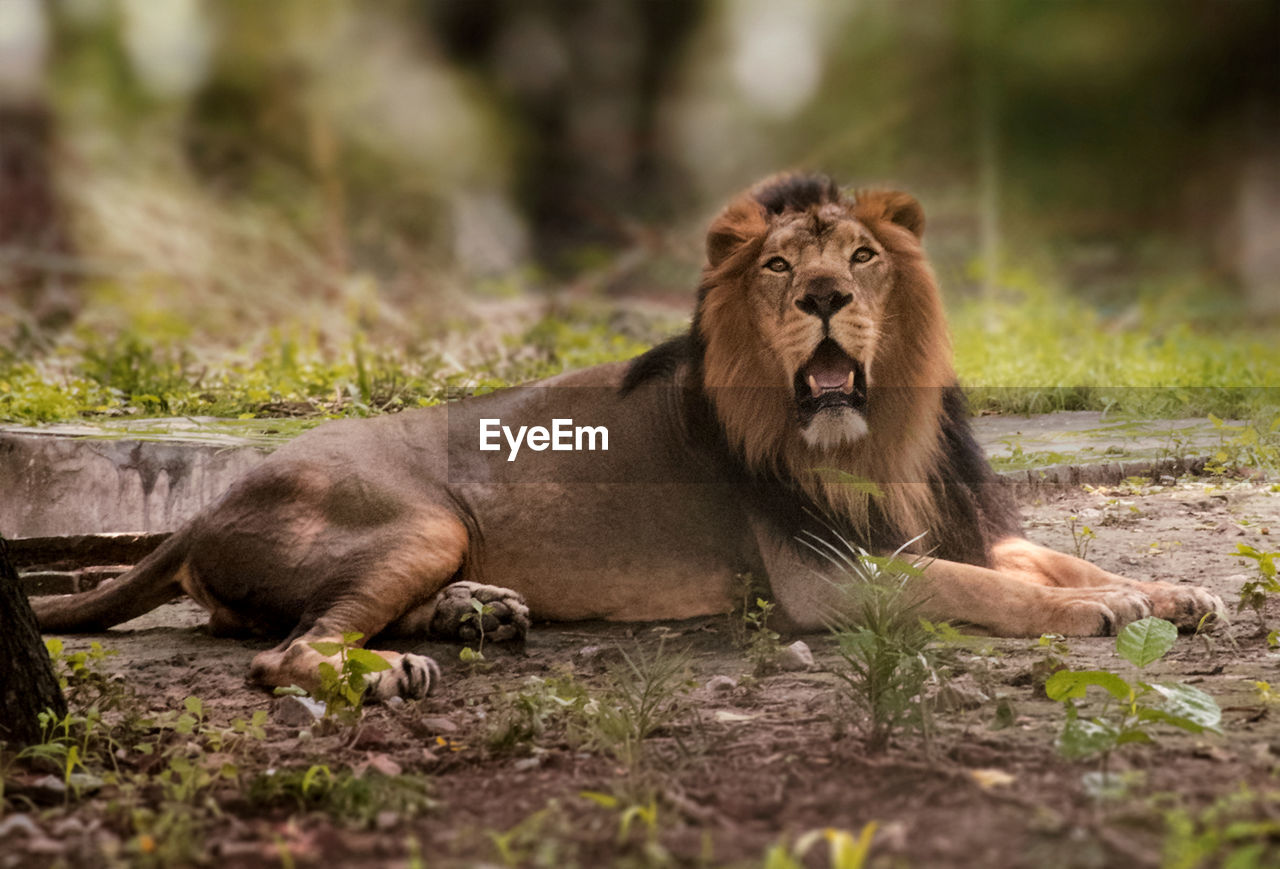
{"x": 822, "y": 325}
{"x": 817, "y": 295}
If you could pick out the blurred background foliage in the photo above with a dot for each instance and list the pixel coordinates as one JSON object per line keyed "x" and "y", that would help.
{"x": 327, "y": 206}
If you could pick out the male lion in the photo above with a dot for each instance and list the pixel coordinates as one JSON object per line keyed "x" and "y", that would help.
{"x": 813, "y": 395}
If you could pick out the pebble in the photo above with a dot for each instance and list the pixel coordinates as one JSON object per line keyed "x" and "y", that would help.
{"x": 47, "y": 789}
{"x": 796, "y": 656}
{"x": 722, "y": 683}
{"x": 371, "y": 736}
{"x": 959, "y": 693}
{"x": 438, "y": 724}
{"x": 21, "y": 825}
{"x": 385, "y": 765}
{"x": 292, "y": 711}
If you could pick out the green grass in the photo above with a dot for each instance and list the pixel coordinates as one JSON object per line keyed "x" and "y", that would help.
{"x": 1035, "y": 351}
{"x": 1029, "y": 351}
{"x": 131, "y": 375}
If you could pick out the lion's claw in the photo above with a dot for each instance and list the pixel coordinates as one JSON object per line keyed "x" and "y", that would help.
{"x": 411, "y": 677}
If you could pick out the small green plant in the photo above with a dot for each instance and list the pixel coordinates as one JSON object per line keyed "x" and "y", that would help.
{"x": 1081, "y": 536}
{"x": 1238, "y": 830}
{"x": 83, "y": 677}
{"x": 1131, "y": 709}
{"x": 342, "y": 688}
{"x": 884, "y": 644}
{"x": 1255, "y": 445}
{"x": 763, "y": 643}
{"x": 1256, "y": 591}
{"x": 646, "y": 691}
{"x": 844, "y": 849}
{"x": 343, "y": 795}
{"x": 630, "y": 816}
{"x": 522, "y": 717}
{"x": 643, "y": 692}
{"x": 1053, "y": 649}
{"x": 476, "y": 616}
{"x": 545, "y": 838}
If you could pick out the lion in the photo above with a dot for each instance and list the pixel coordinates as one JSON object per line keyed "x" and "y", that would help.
{"x": 813, "y": 398}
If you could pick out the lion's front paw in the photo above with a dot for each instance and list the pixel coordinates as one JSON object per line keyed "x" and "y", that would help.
{"x": 1185, "y": 606}
{"x": 501, "y": 613}
{"x": 410, "y": 676}
{"x": 1102, "y": 612}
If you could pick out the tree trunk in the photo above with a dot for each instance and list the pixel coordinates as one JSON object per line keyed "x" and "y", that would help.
{"x": 28, "y": 685}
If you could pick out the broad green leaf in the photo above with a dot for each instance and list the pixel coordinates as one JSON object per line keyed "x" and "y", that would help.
{"x": 1072, "y": 684}
{"x": 371, "y": 662}
{"x": 326, "y": 648}
{"x": 194, "y": 706}
{"x": 1190, "y": 705}
{"x": 1082, "y": 737}
{"x": 1146, "y": 640}
{"x": 1129, "y": 736}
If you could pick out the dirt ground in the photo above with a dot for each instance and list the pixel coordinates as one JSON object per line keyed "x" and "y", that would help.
{"x": 731, "y": 770}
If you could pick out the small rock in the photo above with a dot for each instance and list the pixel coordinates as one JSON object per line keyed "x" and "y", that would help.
{"x": 960, "y": 693}
{"x": 525, "y": 764}
{"x": 385, "y": 765}
{"x": 796, "y": 656}
{"x": 722, "y": 683}
{"x": 394, "y": 702}
{"x": 386, "y": 819}
{"x": 371, "y": 736}
{"x": 65, "y": 828}
{"x": 1168, "y": 481}
{"x": 84, "y": 783}
{"x": 47, "y": 788}
{"x": 438, "y": 724}
{"x": 19, "y": 825}
{"x": 292, "y": 711}
{"x": 599, "y": 656}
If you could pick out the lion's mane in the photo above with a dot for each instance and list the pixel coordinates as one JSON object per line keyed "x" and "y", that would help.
{"x": 900, "y": 454}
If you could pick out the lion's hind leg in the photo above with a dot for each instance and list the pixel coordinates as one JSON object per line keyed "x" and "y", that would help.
{"x": 423, "y": 558}
{"x": 1184, "y": 605}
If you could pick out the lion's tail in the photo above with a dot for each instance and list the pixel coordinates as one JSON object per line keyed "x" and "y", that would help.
{"x": 154, "y": 581}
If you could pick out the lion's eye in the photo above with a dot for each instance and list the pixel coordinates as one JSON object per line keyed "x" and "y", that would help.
{"x": 778, "y": 264}
{"x": 863, "y": 254}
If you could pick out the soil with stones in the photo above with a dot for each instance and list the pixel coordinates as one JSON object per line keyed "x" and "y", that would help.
{"x": 512, "y": 761}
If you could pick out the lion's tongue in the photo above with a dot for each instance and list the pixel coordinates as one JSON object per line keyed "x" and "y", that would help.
{"x": 829, "y": 370}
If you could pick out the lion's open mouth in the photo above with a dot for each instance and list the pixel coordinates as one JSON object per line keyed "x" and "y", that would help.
{"x": 830, "y": 380}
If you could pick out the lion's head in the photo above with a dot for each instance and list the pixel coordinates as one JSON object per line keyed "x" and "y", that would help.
{"x": 825, "y": 341}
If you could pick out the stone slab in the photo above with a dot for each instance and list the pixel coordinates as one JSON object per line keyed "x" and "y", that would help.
{"x": 149, "y": 476}
{"x": 57, "y": 484}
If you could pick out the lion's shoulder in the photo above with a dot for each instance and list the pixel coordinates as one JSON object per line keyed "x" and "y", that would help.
{"x": 662, "y": 363}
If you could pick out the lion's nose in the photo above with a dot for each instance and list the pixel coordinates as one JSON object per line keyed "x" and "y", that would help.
{"x": 822, "y": 298}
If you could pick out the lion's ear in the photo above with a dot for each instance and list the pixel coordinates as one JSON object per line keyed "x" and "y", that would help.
{"x": 742, "y": 221}
{"x": 894, "y": 206}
